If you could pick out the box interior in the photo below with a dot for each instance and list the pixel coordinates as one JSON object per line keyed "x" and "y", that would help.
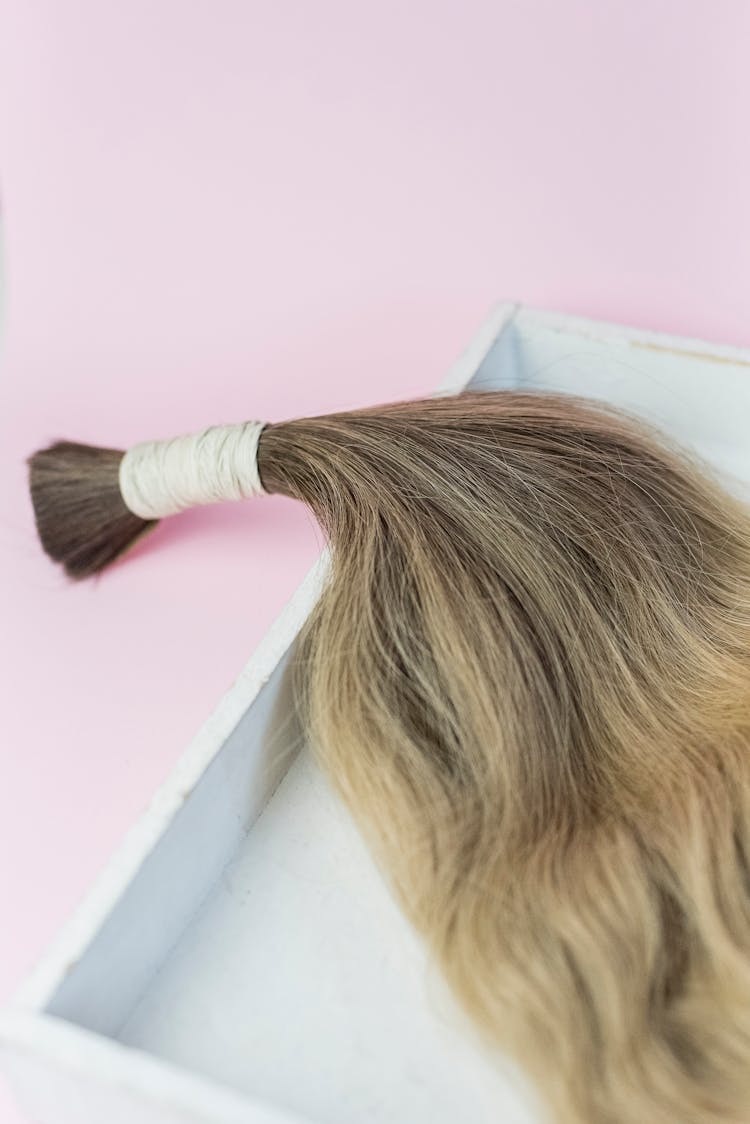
{"x": 258, "y": 944}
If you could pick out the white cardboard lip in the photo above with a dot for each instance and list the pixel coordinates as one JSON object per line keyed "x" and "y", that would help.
{"x": 70, "y": 1072}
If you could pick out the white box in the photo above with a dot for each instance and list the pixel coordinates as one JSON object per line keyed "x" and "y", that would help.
{"x": 240, "y": 959}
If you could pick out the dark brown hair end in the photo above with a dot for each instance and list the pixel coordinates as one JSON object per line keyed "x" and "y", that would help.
{"x": 81, "y": 517}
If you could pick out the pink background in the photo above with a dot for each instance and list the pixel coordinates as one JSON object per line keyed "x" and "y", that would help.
{"x": 224, "y": 209}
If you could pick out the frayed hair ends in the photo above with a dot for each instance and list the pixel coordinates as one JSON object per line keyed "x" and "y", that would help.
{"x": 529, "y": 678}
{"x": 81, "y": 517}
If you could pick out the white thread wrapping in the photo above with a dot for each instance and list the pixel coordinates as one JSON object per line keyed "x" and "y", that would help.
{"x": 159, "y": 478}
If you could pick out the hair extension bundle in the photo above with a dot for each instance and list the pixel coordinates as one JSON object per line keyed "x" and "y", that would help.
{"x": 529, "y": 678}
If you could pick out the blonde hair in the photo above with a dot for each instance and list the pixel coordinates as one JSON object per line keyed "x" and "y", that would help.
{"x": 529, "y": 678}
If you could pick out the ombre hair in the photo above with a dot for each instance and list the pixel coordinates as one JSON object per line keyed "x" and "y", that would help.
{"x": 529, "y": 679}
